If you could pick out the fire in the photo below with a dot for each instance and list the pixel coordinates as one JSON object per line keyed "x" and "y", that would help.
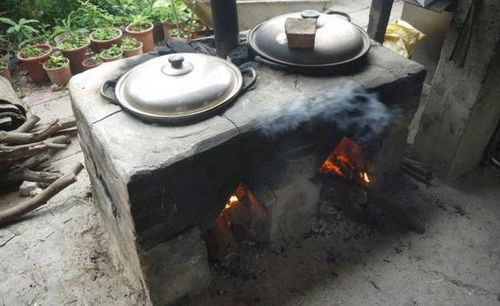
{"x": 365, "y": 177}
{"x": 233, "y": 200}
{"x": 242, "y": 219}
{"x": 348, "y": 161}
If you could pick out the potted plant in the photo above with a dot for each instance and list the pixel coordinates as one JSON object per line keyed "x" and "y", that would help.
{"x": 92, "y": 62}
{"x": 142, "y": 30}
{"x": 57, "y": 67}
{"x": 33, "y": 56}
{"x": 4, "y": 71}
{"x": 112, "y": 54}
{"x": 173, "y": 16}
{"x": 74, "y": 49}
{"x": 21, "y": 31}
{"x": 104, "y": 38}
{"x": 5, "y": 53}
{"x": 194, "y": 29}
{"x": 131, "y": 47}
{"x": 72, "y": 43}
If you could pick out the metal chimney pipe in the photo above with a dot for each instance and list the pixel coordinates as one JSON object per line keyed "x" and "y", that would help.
{"x": 225, "y": 19}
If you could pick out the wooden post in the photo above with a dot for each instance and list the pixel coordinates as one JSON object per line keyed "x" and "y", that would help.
{"x": 380, "y": 11}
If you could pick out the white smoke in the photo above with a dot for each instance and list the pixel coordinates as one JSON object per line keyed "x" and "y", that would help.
{"x": 353, "y": 111}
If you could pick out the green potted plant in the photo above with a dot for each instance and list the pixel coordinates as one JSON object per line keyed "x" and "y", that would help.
{"x": 72, "y": 43}
{"x": 103, "y": 38}
{"x": 111, "y": 54}
{"x": 194, "y": 29}
{"x": 57, "y": 67}
{"x": 131, "y": 47}
{"x": 33, "y": 56}
{"x": 4, "y": 49}
{"x": 4, "y": 71}
{"x": 22, "y": 31}
{"x": 172, "y": 16}
{"x": 41, "y": 38}
{"x": 142, "y": 30}
{"x": 92, "y": 62}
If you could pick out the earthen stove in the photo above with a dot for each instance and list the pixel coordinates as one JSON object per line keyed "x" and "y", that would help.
{"x": 161, "y": 189}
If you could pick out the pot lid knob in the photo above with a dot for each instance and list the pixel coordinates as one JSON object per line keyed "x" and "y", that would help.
{"x": 310, "y": 14}
{"x": 176, "y": 61}
{"x": 177, "y": 66}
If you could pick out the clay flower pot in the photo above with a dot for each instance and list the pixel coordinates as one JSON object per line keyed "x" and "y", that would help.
{"x": 111, "y": 59}
{"x": 76, "y": 56}
{"x": 5, "y": 72}
{"x": 144, "y": 36}
{"x": 34, "y": 64}
{"x": 166, "y": 29}
{"x": 90, "y": 63}
{"x": 58, "y": 76}
{"x": 133, "y": 52}
{"x": 99, "y": 45}
{"x": 34, "y": 41}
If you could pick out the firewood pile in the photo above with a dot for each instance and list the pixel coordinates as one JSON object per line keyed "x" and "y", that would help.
{"x": 25, "y": 151}
{"x": 25, "y": 154}
{"x": 26, "y": 148}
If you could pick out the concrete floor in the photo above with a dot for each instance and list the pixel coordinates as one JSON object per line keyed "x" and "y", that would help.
{"x": 58, "y": 255}
{"x": 346, "y": 262}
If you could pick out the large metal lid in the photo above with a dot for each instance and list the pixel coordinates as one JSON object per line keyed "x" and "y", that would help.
{"x": 337, "y": 41}
{"x": 178, "y": 86}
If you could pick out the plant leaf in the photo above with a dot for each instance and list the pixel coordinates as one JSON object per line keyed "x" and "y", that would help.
{"x": 8, "y": 21}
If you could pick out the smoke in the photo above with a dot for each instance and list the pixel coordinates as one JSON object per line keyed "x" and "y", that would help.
{"x": 354, "y": 113}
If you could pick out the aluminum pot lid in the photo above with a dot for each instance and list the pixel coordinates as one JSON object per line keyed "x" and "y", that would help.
{"x": 178, "y": 85}
{"x": 337, "y": 40}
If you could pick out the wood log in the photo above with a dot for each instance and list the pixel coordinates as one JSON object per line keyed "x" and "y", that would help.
{"x": 9, "y": 153}
{"x": 10, "y": 214}
{"x": 66, "y": 123}
{"x": 28, "y": 125}
{"x": 422, "y": 177}
{"x": 69, "y": 132}
{"x": 35, "y": 162}
{"x": 24, "y": 174}
{"x": 16, "y": 138}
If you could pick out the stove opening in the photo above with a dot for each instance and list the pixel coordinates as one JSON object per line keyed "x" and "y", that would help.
{"x": 345, "y": 176}
{"x": 348, "y": 161}
{"x": 242, "y": 223}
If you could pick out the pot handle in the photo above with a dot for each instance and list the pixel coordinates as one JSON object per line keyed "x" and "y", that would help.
{"x": 104, "y": 90}
{"x": 253, "y": 78}
{"x": 331, "y": 12}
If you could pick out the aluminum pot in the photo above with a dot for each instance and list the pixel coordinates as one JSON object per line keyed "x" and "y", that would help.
{"x": 178, "y": 88}
{"x": 337, "y": 42}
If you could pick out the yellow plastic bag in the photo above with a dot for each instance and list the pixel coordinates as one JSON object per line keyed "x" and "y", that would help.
{"x": 402, "y": 37}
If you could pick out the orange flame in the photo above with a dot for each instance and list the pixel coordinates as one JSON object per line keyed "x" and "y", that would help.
{"x": 233, "y": 200}
{"x": 348, "y": 161}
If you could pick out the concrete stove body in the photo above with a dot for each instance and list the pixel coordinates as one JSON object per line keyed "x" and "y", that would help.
{"x": 159, "y": 187}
